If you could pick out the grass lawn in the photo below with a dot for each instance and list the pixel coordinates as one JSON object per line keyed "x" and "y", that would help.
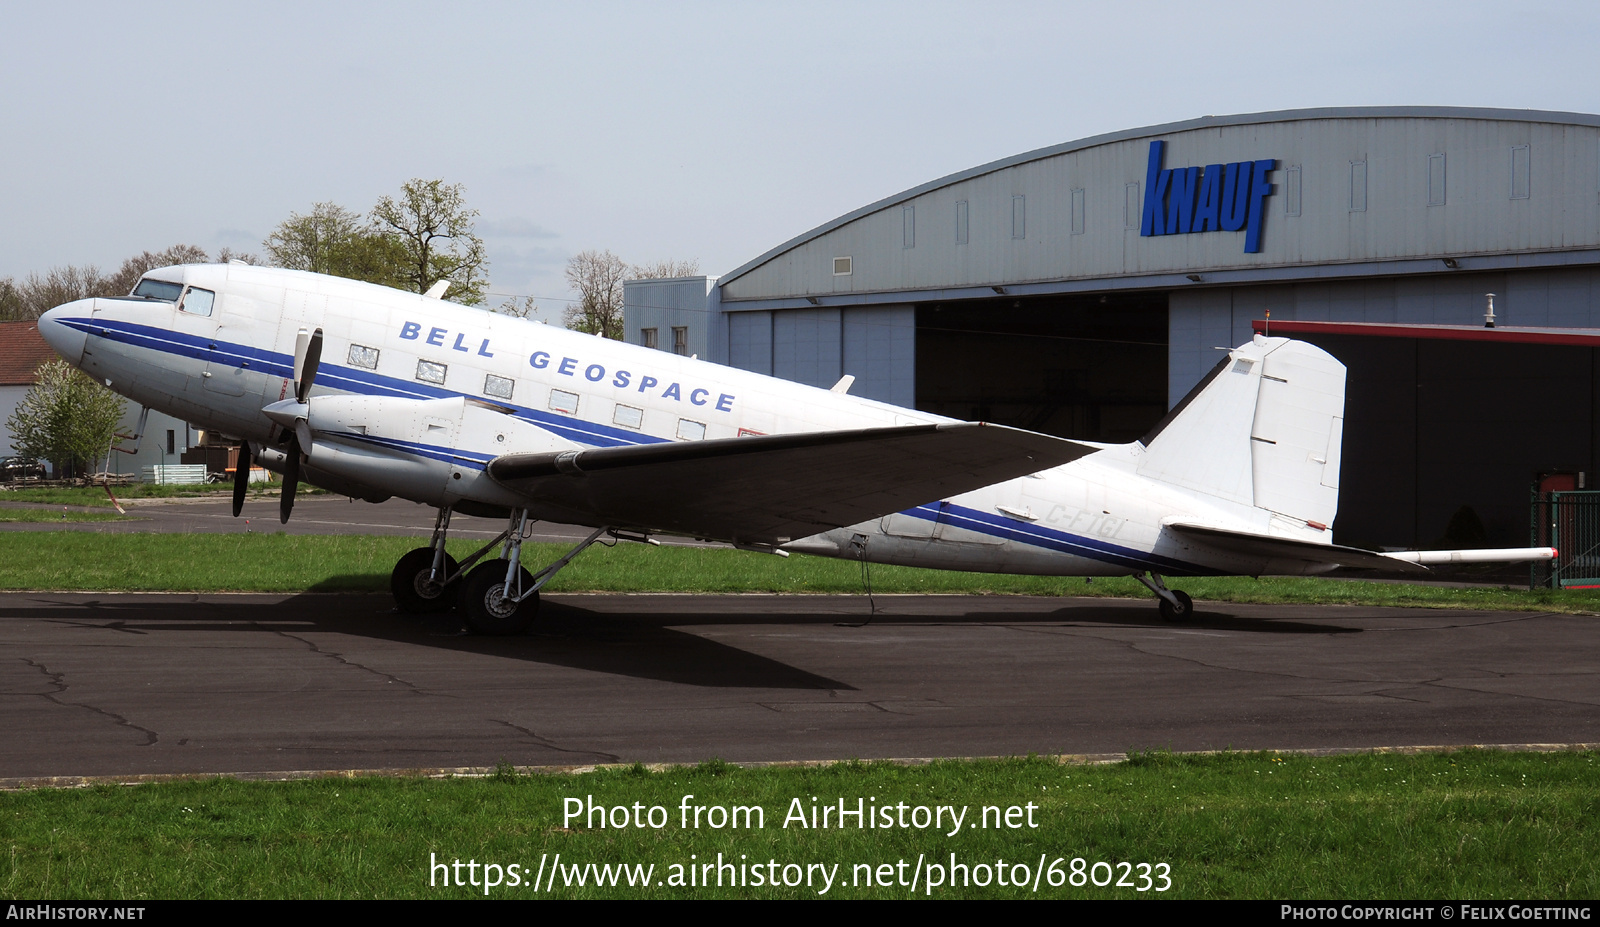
{"x": 1469, "y": 825}
{"x": 338, "y": 563}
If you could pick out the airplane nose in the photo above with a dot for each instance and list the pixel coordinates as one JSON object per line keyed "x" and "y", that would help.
{"x": 58, "y": 330}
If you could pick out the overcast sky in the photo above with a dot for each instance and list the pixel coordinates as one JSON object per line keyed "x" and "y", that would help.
{"x": 707, "y": 131}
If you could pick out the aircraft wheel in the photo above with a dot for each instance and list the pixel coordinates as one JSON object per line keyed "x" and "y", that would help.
{"x": 485, "y": 606}
{"x": 414, "y": 592}
{"x": 1183, "y": 611}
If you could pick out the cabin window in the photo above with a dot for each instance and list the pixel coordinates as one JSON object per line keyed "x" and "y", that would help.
{"x": 498, "y": 387}
{"x": 363, "y": 356}
{"x": 680, "y": 340}
{"x": 429, "y": 372}
{"x": 691, "y": 431}
{"x": 647, "y": 337}
{"x": 197, "y": 301}
{"x": 159, "y": 289}
{"x": 628, "y": 416}
{"x": 563, "y": 401}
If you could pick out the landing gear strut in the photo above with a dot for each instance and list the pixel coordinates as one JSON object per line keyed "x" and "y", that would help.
{"x": 500, "y": 597}
{"x": 1174, "y": 605}
{"x": 427, "y": 580}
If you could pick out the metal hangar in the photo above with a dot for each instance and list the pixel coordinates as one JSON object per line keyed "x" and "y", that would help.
{"x": 1081, "y": 289}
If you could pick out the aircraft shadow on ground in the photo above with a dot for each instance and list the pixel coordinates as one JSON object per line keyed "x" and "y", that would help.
{"x": 644, "y": 648}
{"x": 645, "y": 645}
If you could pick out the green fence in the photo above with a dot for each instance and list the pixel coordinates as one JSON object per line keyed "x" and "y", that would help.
{"x": 1569, "y": 522}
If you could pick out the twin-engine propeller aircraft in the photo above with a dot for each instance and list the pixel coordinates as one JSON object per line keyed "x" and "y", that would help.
{"x": 372, "y": 392}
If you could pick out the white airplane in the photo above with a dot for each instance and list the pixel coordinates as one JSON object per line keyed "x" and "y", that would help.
{"x": 373, "y": 392}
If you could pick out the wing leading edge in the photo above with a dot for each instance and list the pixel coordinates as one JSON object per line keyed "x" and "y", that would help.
{"x": 767, "y": 489}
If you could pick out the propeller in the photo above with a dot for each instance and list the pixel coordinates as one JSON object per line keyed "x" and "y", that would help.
{"x": 241, "y": 477}
{"x": 293, "y": 416}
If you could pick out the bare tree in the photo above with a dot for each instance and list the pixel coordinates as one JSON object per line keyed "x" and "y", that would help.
{"x": 127, "y": 276}
{"x": 658, "y": 270}
{"x": 228, "y": 255}
{"x": 597, "y": 276}
{"x": 11, "y": 305}
{"x": 431, "y": 221}
{"x": 521, "y": 309}
{"x": 39, "y": 294}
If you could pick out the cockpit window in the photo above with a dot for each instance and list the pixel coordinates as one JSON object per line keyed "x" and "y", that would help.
{"x": 158, "y": 289}
{"x": 198, "y": 301}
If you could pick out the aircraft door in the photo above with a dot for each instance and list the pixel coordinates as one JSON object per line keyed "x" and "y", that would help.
{"x": 224, "y": 373}
{"x": 926, "y": 524}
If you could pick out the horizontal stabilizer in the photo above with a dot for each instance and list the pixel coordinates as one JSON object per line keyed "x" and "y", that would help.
{"x": 1247, "y": 544}
{"x": 1404, "y": 561}
{"x": 767, "y": 489}
{"x": 1497, "y": 555}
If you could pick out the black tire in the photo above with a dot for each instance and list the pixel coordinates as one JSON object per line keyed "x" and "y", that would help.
{"x": 1183, "y": 611}
{"x": 413, "y": 592}
{"x": 485, "y": 607}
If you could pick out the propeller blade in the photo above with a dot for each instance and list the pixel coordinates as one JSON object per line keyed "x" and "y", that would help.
{"x": 302, "y": 434}
{"x": 291, "y": 480}
{"x": 241, "y": 477}
{"x": 302, "y": 341}
{"x": 306, "y": 363}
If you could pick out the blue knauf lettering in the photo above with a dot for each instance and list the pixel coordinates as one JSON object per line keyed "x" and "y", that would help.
{"x": 1208, "y": 214}
{"x": 1235, "y": 196}
{"x": 1260, "y": 189}
{"x": 1180, "y": 204}
{"x": 1226, "y": 197}
{"x": 1155, "y": 193}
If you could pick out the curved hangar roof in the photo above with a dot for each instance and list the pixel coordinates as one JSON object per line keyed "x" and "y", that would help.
{"x": 1351, "y": 185}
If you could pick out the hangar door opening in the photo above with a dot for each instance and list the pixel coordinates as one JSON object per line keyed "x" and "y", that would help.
{"x": 1092, "y": 367}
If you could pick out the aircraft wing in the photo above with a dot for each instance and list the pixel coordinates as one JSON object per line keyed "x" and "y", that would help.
{"x": 767, "y": 489}
{"x": 1279, "y": 548}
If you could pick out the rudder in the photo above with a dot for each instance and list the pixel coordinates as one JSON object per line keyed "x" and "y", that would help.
{"x": 1264, "y": 429}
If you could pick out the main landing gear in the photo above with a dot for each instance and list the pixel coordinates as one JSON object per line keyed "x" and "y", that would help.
{"x": 426, "y": 580}
{"x": 497, "y": 596}
{"x": 1174, "y": 605}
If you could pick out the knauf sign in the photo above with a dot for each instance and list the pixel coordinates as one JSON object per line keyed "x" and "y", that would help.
{"x": 1223, "y": 197}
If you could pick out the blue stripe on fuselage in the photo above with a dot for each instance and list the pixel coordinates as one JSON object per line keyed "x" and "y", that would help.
{"x": 368, "y": 383}
{"x": 1077, "y": 545}
{"x": 348, "y": 379}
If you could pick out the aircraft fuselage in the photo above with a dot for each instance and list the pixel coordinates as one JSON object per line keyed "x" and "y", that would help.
{"x": 220, "y": 368}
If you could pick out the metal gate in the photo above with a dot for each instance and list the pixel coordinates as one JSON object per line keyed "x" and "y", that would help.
{"x": 1569, "y": 522}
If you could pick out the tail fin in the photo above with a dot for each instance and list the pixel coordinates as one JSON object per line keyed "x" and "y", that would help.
{"x": 1262, "y": 429}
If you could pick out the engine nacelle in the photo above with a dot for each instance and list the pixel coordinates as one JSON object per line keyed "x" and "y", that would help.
{"x": 427, "y": 450}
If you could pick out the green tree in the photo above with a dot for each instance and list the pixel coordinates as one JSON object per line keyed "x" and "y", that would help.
{"x": 66, "y": 418}
{"x": 333, "y": 240}
{"x": 431, "y": 221}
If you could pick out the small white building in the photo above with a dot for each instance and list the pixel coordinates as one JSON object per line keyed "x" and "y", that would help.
{"x": 23, "y": 351}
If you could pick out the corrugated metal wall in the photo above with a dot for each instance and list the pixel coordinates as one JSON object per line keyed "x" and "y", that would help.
{"x": 1428, "y": 186}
